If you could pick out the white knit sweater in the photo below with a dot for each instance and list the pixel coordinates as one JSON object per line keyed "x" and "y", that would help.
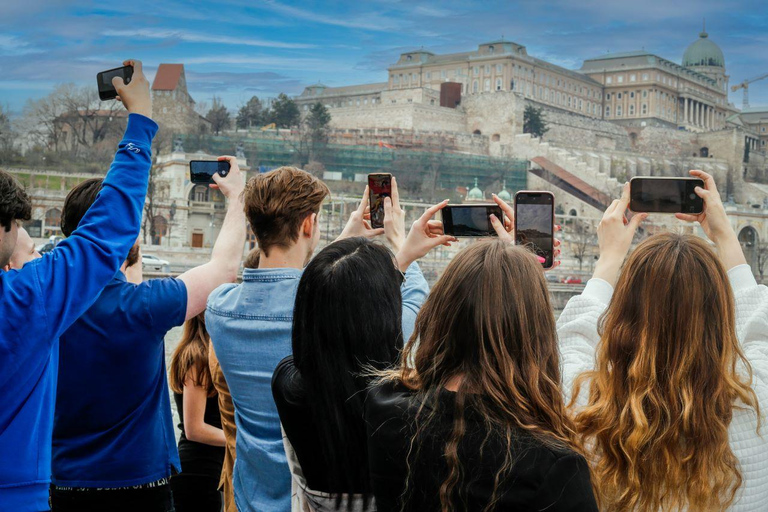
{"x": 577, "y": 332}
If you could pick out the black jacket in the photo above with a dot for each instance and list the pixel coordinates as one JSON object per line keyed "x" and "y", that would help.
{"x": 542, "y": 478}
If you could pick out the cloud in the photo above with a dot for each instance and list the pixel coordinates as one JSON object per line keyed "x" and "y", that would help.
{"x": 269, "y": 82}
{"x": 12, "y": 45}
{"x": 200, "y": 37}
{"x": 369, "y": 21}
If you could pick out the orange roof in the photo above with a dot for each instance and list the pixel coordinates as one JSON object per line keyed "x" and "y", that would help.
{"x": 167, "y": 77}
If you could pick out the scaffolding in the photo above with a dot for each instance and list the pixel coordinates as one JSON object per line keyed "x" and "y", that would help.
{"x": 444, "y": 169}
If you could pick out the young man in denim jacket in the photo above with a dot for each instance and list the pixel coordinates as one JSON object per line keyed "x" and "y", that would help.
{"x": 250, "y": 323}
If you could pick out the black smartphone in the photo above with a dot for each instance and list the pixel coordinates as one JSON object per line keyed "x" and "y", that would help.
{"x": 104, "y": 80}
{"x": 535, "y": 223}
{"x": 202, "y": 171}
{"x": 470, "y": 219}
{"x": 379, "y": 187}
{"x": 665, "y": 195}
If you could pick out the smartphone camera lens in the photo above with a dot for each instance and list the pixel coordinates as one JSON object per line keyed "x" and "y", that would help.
{"x": 692, "y": 195}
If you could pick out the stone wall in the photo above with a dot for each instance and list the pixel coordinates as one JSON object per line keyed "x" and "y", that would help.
{"x": 498, "y": 115}
{"x": 573, "y": 130}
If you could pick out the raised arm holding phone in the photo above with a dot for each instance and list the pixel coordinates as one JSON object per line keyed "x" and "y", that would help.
{"x": 40, "y": 301}
{"x": 679, "y": 365}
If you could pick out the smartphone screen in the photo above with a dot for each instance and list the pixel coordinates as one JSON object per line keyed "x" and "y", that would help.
{"x": 104, "y": 81}
{"x": 470, "y": 220}
{"x": 202, "y": 171}
{"x": 534, "y": 224}
{"x": 379, "y": 187}
{"x": 665, "y": 195}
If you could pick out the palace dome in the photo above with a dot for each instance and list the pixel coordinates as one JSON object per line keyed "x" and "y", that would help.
{"x": 504, "y": 195}
{"x": 703, "y": 52}
{"x": 475, "y": 194}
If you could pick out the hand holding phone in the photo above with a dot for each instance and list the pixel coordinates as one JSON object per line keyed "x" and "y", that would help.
{"x": 535, "y": 224}
{"x": 379, "y": 187}
{"x": 470, "y": 219}
{"x": 229, "y": 181}
{"x": 202, "y": 171}
{"x": 665, "y": 195}
{"x": 423, "y": 237}
{"x": 134, "y": 94}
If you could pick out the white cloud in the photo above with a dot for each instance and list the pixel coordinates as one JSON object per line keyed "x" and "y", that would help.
{"x": 12, "y": 45}
{"x": 192, "y": 37}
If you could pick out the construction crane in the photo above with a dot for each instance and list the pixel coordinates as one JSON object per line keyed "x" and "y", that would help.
{"x": 745, "y": 85}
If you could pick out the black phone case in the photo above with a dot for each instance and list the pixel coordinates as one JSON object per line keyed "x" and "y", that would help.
{"x": 108, "y": 92}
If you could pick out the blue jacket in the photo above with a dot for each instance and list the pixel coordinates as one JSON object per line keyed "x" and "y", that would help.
{"x": 250, "y": 327}
{"x": 43, "y": 299}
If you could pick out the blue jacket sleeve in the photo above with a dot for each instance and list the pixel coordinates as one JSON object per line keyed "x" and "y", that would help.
{"x": 61, "y": 286}
{"x": 414, "y": 291}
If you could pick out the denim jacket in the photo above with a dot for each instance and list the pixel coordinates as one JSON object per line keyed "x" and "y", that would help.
{"x": 250, "y": 328}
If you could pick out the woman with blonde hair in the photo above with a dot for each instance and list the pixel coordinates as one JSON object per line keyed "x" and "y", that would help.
{"x": 474, "y": 417}
{"x": 670, "y": 368}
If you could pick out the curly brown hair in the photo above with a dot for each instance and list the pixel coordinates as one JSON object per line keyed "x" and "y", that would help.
{"x": 14, "y": 202}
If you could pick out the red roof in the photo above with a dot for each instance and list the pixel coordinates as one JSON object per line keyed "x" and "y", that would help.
{"x": 167, "y": 77}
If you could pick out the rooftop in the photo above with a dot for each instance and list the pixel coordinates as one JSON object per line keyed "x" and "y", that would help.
{"x": 167, "y": 77}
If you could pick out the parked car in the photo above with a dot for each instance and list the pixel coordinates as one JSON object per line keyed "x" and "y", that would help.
{"x": 572, "y": 280}
{"x": 151, "y": 262}
{"x": 551, "y": 278}
{"x": 48, "y": 246}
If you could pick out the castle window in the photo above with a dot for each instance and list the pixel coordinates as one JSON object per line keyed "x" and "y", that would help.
{"x": 487, "y": 69}
{"x": 618, "y": 95}
{"x": 609, "y": 80}
{"x": 499, "y": 67}
{"x": 607, "y": 95}
{"x": 645, "y": 76}
{"x": 607, "y": 111}
{"x": 631, "y": 110}
{"x": 632, "y": 77}
{"x": 442, "y": 73}
{"x": 498, "y": 84}
{"x": 645, "y": 94}
{"x": 476, "y": 70}
{"x": 632, "y": 94}
{"x": 395, "y": 79}
{"x": 409, "y": 57}
{"x": 645, "y": 108}
{"x": 581, "y": 105}
{"x": 474, "y": 86}
{"x": 491, "y": 49}
{"x": 618, "y": 111}
{"x": 487, "y": 85}
{"x": 620, "y": 79}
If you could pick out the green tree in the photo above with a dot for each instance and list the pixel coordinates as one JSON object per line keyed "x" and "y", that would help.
{"x": 318, "y": 124}
{"x": 284, "y": 112}
{"x": 251, "y": 114}
{"x": 533, "y": 122}
{"x": 218, "y": 116}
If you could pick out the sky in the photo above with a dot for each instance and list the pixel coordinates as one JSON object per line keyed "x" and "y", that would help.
{"x": 235, "y": 49}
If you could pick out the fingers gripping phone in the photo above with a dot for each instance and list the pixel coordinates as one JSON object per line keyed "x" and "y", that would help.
{"x": 202, "y": 171}
{"x": 665, "y": 195}
{"x": 379, "y": 187}
{"x": 535, "y": 223}
{"x": 470, "y": 219}
{"x": 107, "y": 91}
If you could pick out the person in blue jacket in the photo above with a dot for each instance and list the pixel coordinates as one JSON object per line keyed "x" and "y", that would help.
{"x": 42, "y": 299}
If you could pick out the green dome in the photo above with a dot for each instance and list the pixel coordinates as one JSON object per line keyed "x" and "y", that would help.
{"x": 504, "y": 195}
{"x": 475, "y": 194}
{"x": 703, "y": 52}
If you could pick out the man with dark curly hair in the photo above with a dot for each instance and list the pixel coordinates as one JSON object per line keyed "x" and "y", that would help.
{"x": 14, "y": 206}
{"x": 42, "y": 299}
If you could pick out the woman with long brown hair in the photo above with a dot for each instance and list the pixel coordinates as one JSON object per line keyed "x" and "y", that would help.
{"x": 666, "y": 396}
{"x": 202, "y": 441}
{"x": 474, "y": 417}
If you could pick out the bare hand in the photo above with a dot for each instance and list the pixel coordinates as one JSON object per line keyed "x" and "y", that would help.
{"x": 135, "y": 96}
{"x": 357, "y": 225}
{"x": 506, "y": 231}
{"x": 394, "y": 219}
{"x": 233, "y": 184}
{"x": 422, "y": 238}
{"x": 614, "y": 236}
{"x": 713, "y": 218}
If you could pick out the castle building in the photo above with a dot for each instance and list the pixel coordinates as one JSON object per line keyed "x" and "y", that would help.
{"x": 628, "y": 89}
{"x": 172, "y": 106}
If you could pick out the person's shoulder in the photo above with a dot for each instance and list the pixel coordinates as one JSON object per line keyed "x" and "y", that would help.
{"x": 287, "y": 384}
{"x": 388, "y": 397}
{"x": 222, "y": 297}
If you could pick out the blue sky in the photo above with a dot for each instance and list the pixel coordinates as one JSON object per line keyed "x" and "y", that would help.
{"x": 238, "y": 48}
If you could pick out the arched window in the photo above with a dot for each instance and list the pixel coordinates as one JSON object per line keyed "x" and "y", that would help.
{"x": 498, "y": 84}
{"x": 704, "y": 152}
{"x": 487, "y": 85}
{"x": 474, "y": 86}
{"x": 476, "y": 132}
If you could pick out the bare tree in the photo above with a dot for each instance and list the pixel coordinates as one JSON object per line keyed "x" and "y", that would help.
{"x": 761, "y": 258}
{"x": 90, "y": 120}
{"x": 157, "y": 188}
{"x": 40, "y": 119}
{"x": 582, "y": 238}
